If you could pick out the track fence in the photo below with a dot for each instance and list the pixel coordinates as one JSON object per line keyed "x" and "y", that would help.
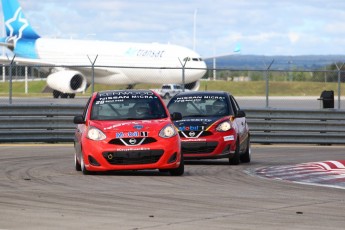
{"x": 53, "y": 123}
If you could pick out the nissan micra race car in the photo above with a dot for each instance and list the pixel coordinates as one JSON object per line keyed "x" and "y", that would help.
{"x": 213, "y": 126}
{"x": 127, "y": 130}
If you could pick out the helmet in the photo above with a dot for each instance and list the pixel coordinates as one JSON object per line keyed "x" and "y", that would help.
{"x": 141, "y": 109}
{"x": 218, "y": 106}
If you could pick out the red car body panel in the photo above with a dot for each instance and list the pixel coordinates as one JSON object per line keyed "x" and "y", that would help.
{"x": 203, "y": 112}
{"x": 226, "y": 141}
{"x": 117, "y": 152}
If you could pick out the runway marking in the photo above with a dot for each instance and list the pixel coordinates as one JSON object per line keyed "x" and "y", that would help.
{"x": 327, "y": 173}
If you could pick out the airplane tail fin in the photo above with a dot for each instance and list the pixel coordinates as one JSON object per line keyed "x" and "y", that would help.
{"x": 17, "y": 26}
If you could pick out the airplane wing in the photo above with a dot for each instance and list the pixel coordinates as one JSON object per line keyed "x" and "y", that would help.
{"x": 48, "y": 67}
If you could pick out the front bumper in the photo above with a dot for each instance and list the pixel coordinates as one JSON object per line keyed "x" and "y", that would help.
{"x": 102, "y": 156}
{"x": 219, "y": 145}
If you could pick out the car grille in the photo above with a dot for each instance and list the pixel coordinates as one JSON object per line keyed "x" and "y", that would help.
{"x": 133, "y": 157}
{"x": 198, "y": 147}
{"x": 128, "y": 141}
{"x": 195, "y": 134}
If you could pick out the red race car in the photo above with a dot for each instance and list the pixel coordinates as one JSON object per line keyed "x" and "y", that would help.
{"x": 127, "y": 130}
{"x": 213, "y": 126}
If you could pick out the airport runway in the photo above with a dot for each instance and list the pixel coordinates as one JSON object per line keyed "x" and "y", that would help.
{"x": 39, "y": 189}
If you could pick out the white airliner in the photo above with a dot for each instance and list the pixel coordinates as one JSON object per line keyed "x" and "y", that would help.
{"x": 113, "y": 61}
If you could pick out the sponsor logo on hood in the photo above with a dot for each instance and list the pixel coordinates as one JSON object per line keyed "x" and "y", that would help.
{"x": 195, "y": 124}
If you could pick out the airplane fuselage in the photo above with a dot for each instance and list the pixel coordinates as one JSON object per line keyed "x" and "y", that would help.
{"x": 125, "y": 63}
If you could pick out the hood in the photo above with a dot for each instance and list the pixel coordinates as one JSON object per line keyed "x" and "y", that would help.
{"x": 197, "y": 124}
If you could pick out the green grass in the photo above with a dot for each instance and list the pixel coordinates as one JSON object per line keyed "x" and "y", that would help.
{"x": 251, "y": 88}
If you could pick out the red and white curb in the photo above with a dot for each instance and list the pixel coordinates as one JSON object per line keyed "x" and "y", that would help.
{"x": 326, "y": 173}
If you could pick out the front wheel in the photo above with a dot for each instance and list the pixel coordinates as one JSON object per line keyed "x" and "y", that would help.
{"x": 76, "y": 163}
{"x": 179, "y": 170}
{"x": 83, "y": 168}
{"x": 246, "y": 156}
{"x": 235, "y": 159}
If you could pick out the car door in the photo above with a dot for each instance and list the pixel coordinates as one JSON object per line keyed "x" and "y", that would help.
{"x": 80, "y": 129}
{"x": 241, "y": 123}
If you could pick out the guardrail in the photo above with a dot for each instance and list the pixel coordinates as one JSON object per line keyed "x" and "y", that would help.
{"x": 324, "y": 126}
{"x": 54, "y": 123}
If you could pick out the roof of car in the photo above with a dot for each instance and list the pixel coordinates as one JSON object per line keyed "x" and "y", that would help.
{"x": 194, "y": 93}
{"x": 108, "y": 93}
{"x": 125, "y": 91}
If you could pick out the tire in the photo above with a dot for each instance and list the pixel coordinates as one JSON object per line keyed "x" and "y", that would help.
{"x": 77, "y": 165}
{"x": 235, "y": 159}
{"x": 179, "y": 170}
{"x": 56, "y": 94}
{"x": 64, "y": 95}
{"x": 82, "y": 166}
{"x": 246, "y": 156}
{"x": 166, "y": 96}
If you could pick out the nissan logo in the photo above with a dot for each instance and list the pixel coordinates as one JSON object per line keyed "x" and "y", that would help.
{"x": 191, "y": 133}
{"x": 132, "y": 141}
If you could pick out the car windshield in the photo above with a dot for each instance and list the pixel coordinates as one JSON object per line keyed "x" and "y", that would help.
{"x": 127, "y": 106}
{"x": 199, "y": 105}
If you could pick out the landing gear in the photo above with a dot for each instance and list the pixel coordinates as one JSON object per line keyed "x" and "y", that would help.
{"x": 130, "y": 86}
{"x": 58, "y": 94}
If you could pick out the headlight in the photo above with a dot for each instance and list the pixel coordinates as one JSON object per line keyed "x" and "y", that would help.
{"x": 95, "y": 134}
{"x": 167, "y": 131}
{"x": 224, "y": 126}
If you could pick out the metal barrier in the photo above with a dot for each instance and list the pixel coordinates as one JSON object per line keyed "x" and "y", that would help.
{"x": 325, "y": 126}
{"x": 54, "y": 123}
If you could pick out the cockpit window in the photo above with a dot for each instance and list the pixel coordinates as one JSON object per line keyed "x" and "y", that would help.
{"x": 200, "y": 106}
{"x": 192, "y": 59}
{"x": 127, "y": 106}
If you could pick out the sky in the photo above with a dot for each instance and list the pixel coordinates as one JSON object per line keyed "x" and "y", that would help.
{"x": 211, "y": 27}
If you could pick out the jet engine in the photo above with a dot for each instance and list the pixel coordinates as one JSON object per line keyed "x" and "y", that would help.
{"x": 66, "y": 83}
{"x": 194, "y": 86}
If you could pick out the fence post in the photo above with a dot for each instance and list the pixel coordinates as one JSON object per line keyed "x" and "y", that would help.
{"x": 183, "y": 72}
{"x": 93, "y": 72}
{"x": 26, "y": 80}
{"x": 339, "y": 81}
{"x": 10, "y": 82}
{"x": 267, "y": 80}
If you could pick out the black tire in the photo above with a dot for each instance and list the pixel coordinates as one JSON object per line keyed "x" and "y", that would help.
{"x": 166, "y": 96}
{"x": 178, "y": 171}
{"x": 56, "y": 94}
{"x": 77, "y": 165}
{"x": 71, "y": 95}
{"x": 64, "y": 95}
{"x": 82, "y": 166}
{"x": 246, "y": 156}
{"x": 235, "y": 159}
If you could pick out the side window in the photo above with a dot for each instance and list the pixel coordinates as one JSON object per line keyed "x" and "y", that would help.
{"x": 86, "y": 108}
{"x": 234, "y": 104}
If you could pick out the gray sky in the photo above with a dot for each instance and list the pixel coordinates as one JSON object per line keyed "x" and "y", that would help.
{"x": 264, "y": 27}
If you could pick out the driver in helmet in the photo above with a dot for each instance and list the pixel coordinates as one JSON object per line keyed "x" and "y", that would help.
{"x": 219, "y": 107}
{"x": 141, "y": 109}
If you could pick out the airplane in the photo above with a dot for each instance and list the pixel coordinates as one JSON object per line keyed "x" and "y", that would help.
{"x": 70, "y": 67}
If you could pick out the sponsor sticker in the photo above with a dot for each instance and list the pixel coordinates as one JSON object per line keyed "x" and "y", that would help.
{"x": 131, "y": 134}
{"x": 229, "y": 138}
{"x": 191, "y": 128}
{"x": 192, "y": 140}
{"x": 132, "y": 149}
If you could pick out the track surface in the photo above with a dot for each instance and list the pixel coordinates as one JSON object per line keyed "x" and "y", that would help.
{"x": 39, "y": 189}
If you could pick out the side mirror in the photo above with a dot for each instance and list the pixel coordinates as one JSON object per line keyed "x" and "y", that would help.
{"x": 240, "y": 113}
{"x": 176, "y": 116}
{"x": 78, "y": 120}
